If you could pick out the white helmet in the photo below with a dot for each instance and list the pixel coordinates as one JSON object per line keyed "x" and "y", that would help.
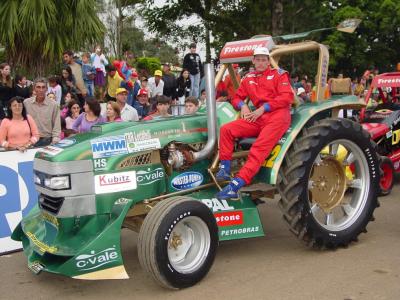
{"x": 261, "y": 51}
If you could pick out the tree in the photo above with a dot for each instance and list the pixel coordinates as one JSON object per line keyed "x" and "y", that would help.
{"x": 135, "y": 40}
{"x": 166, "y": 20}
{"x": 35, "y": 32}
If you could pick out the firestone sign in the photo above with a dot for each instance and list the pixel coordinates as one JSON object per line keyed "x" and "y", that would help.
{"x": 242, "y": 51}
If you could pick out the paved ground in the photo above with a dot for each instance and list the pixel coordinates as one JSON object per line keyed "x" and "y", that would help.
{"x": 274, "y": 267}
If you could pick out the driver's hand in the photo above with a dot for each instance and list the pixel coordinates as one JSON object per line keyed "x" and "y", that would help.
{"x": 245, "y": 110}
{"x": 254, "y": 115}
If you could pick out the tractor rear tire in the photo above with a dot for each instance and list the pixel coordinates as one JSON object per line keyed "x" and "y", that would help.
{"x": 178, "y": 242}
{"x": 387, "y": 176}
{"x": 321, "y": 205}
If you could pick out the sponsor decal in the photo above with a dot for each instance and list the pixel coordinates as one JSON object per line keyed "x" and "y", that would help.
{"x": 389, "y": 80}
{"x": 115, "y": 182}
{"x": 100, "y": 163}
{"x": 149, "y": 176}
{"x": 51, "y": 150}
{"x": 187, "y": 180}
{"x": 396, "y": 165}
{"x": 229, "y": 218}
{"x": 228, "y": 232}
{"x": 389, "y": 134}
{"x": 242, "y": 48}
{"x": 217, "y": 205}
{"x": 42, "y": 246}
{"x": 138, "y": 136}
{"x": 144, "y": 145}
{"x": 121, "y": 201}
{"x": 86, "y": 262}
{"x": 65, "y": 143}
{"x": 49, "y": 218}
{"x": 270, "y": 77}
{"x": 141, "y": 141}
{"x": 109, "y": 146}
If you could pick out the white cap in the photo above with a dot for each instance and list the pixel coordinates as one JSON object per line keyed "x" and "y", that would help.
{"x": 261, "y": 51}
{"x": 300, "y": 90}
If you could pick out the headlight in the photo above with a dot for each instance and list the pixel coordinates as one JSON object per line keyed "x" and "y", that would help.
{"x": 36, "y": 179}
{"x": 57, "y": 183}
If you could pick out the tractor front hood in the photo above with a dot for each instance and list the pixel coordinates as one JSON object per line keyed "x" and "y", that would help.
{"x": 51, "y": 244}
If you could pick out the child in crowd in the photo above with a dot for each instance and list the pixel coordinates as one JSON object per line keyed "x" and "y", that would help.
{"x": 89, "y": 74}
{"x": 51, "y": 96}
{"x": 22, "y": 88}
{"x": 191, "y": 105}
{"x": 162, "y": 107}
{"x": 55, "y": 89}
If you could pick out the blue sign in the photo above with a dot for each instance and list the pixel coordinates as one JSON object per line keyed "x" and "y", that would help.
{"x": 17, "y": 194}
{"x": 17, "y": 186}
{"x": 187, "y": 180}
{"x": 109, "y": 146}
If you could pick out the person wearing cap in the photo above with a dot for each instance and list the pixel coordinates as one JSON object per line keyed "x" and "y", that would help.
{"x": 142, "y": 105}
{"x": 113, "y": 83}
{"x": 169, "y": 81}
{"x": 301, "y": 93}
{"x": 156, "y": 84}
{"x": 229, "y": 83}
{"x": 162, "y": 108}
{"x": 128, "y": 113}
{"x": 270, "y": 92}
{"x": 192, "y": 62}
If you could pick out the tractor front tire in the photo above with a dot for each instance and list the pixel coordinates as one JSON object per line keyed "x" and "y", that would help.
{"x": 321, "y": 205}
{"x": 178, "y": 242}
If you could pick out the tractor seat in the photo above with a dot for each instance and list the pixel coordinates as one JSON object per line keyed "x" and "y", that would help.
{"x": 246, "y": 143}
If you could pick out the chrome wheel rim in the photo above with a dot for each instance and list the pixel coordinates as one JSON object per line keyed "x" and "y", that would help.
{"x": 189, "y": 245}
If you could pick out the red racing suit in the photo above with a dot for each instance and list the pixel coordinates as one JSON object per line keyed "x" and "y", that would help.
{"x": 272, "y": 87}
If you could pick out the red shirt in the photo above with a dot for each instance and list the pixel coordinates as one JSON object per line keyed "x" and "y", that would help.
{"x": 271, "y": 86}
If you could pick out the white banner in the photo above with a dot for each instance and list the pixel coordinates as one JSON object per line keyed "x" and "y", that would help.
{"x": 17, "y": 194}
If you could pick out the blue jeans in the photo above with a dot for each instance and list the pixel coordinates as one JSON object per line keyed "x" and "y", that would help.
{"x": 90, "y": 88}
{"x": 195, "y": 79}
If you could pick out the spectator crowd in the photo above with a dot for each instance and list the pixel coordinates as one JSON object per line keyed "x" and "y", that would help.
{"x": 90, "y": 90}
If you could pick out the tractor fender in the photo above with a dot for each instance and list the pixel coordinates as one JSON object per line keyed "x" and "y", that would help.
{"x": 301, "y": 117}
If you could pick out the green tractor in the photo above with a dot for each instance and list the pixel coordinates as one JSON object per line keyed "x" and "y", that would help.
{"x": 157, "y": 178}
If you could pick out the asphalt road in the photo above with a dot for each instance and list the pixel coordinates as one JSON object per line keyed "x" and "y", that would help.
{"x": 277, "y": 266}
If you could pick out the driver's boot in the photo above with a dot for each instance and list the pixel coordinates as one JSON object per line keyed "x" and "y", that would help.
{"x": 231, "y": 191}
{"x": 224, "y": 172}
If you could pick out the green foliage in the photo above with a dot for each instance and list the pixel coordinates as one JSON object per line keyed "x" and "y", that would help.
{"x": 134, "y": 39}
{"x": 35, "y": 32}
{"x": 376, "y": 42}
{"x": 147, "y": 65}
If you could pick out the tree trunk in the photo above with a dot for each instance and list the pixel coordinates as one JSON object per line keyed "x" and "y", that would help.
{"x": 277, "y": 17}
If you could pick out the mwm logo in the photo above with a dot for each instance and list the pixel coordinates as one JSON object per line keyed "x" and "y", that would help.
{"x": 109, "y": 146}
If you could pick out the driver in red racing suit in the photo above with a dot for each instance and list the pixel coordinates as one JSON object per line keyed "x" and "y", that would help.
{"x": 271, "y": 93}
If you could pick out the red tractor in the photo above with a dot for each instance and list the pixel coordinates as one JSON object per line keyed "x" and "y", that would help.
{"x": 381, "y": 118}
